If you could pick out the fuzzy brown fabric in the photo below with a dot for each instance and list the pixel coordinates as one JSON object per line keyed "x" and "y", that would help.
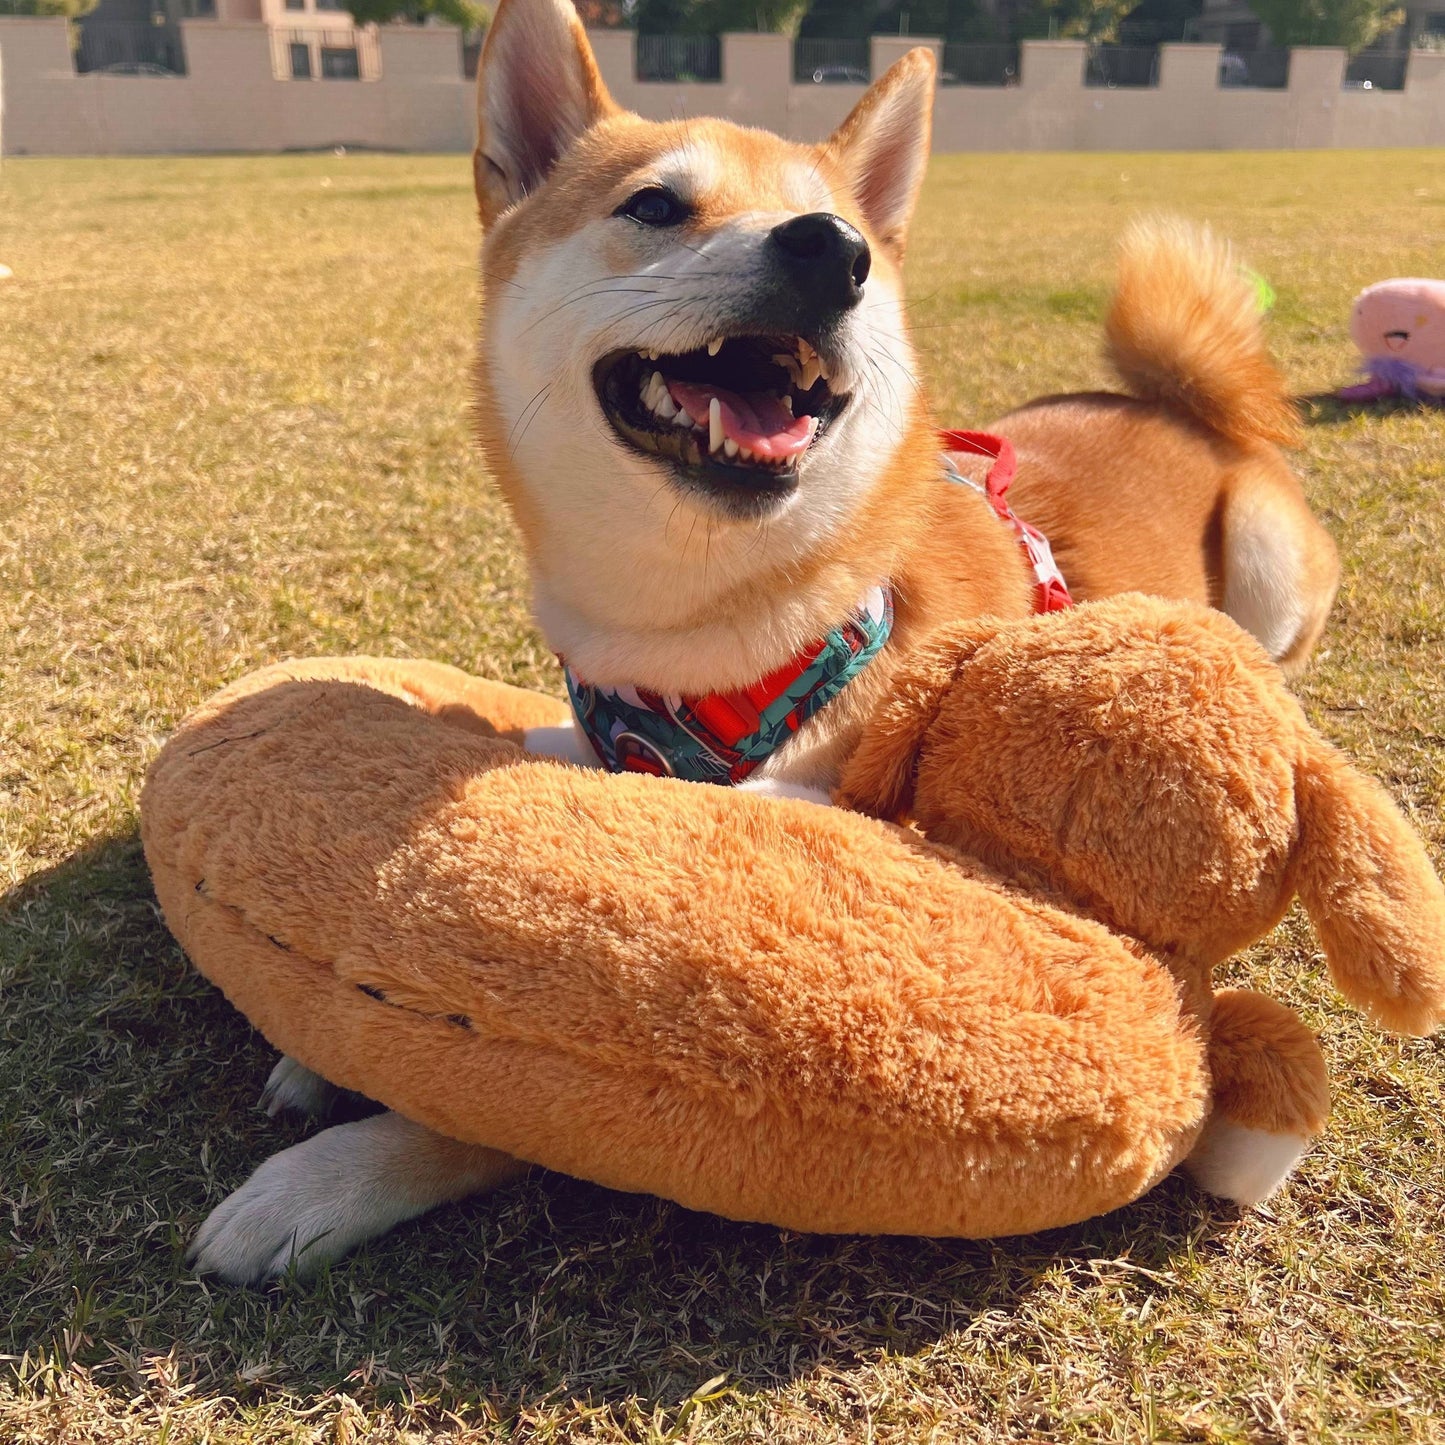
{"x": 766, "y": 1009}
{"x": 1143, "y": 760}
{"x": 782, "y": 1012}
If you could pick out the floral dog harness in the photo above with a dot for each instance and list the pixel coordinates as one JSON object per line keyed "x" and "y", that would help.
{"x": 724, "y": 737}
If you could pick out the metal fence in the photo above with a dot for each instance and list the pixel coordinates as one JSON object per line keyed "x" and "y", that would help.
{"x": 1261, "y": 69}
{"x": 330, "y": 54}
{"x": 1377, "y": 70}
{"x": 128, "y": 47}
{"x": 832, "y": 62}
{"x": 965, "y": 64}
{"x": 1120, "y": 66}
{"x": 472, "y": 41}
{"x": 679, "y": 57}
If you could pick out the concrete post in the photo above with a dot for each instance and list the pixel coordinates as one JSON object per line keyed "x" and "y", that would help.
{"x": 614, "y": 52}
{"x": 1316, "y": 77}
{"x": 756, "y": 73}
{"x": 1190, "y": 75}
{"x": 1055, "y": 66}
{"x": 1049, "y": 98}
{"x": 1425, "y": 97}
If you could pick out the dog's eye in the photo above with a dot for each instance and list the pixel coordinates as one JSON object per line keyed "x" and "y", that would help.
{"x": 653, "y": 206}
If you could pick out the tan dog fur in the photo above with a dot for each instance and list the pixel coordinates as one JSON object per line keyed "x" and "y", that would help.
{"x": 1177, "y": 490}
{"x": 773, "y": 1010}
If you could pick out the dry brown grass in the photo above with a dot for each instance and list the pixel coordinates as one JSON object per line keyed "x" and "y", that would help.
{"x": 233, "y": 425}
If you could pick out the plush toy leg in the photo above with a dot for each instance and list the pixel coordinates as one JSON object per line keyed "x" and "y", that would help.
{"x": 312, "y": 1203}
{"x": 1271, "y": 1097}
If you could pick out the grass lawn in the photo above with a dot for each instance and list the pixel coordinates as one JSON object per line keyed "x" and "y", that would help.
{"x": 233, "y": 428}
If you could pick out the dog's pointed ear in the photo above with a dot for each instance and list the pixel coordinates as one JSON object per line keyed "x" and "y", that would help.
{"x": 538, "y": 89}
{"x": 883, "y": 146}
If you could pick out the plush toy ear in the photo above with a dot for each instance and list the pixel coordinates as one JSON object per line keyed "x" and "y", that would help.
{"x": 538, "y": 89}
{"x": 879, "y": 777}
{"x": 1366, "y": 881}
{"x": 883, "y": 146}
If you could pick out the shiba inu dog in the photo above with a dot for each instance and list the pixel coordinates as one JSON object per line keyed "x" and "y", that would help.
{"x": 698, "y": 394}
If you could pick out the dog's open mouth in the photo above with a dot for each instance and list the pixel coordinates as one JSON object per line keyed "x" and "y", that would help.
{"x": 735, "y": 416}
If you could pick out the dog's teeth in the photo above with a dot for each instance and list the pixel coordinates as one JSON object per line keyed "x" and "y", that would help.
{"x": 714, "y": 346}
{"x": 805, "y": 351}
{"x": 730, "y": 447}
{"x": 683, "y": 418}
{"x": 787, "y": 400}
{"x": 811, "y": 370}
{"x": 789, "y": 364}
{"x": 657, "y": 399}
{"x": 714, "y": 425}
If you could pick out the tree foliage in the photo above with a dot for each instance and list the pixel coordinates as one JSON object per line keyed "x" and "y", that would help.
{"x": 71, "y": 8}
{"x": 1073, "y": 19}
{"x": 468, "y": 14}
{"x": 1351, "y": 23}
{"x": 719, "y": 17}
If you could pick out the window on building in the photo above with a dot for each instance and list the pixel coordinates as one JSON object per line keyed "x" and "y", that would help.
{"x": 1435, "y": 23}
{"x": 295, "y": 4}
{"x": 300, "y": 60}
{"x": 340, "y": 62}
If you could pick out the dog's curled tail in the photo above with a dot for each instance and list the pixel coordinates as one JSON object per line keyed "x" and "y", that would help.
{"x": 1184, "y": 330}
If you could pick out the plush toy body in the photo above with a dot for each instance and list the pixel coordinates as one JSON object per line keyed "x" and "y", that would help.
{"x": 796, "y": 1014}
{"x": 767, "y": 1009}
{"x": 1399, "y": 327}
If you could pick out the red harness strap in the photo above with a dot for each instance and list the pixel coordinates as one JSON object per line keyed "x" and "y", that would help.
{"x": 1051, "y": 592}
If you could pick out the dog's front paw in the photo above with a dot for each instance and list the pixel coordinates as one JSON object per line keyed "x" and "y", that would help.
{"x": 303, "y": 1208}
{"x": 294, "y": 1087}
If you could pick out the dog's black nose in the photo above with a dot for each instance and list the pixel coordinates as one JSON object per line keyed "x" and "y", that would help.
{"x": 825, "y": 258}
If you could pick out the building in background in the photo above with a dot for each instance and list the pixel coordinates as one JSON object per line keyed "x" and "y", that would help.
{"x": 310, "y": 39}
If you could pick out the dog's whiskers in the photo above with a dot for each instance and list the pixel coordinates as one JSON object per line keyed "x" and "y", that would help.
{"x": 529, "y": 414}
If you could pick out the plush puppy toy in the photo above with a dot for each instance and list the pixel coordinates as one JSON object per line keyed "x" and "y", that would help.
{"x": 774, "y": 1010}
{"x": 1144, "y": 761}
{"x": 1399, "y": 327}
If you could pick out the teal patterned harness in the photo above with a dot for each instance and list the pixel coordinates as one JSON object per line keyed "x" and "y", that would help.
{"x": 724, "y": 737}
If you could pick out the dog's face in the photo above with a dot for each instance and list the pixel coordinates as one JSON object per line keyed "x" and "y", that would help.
{"x": 686, "y": 322}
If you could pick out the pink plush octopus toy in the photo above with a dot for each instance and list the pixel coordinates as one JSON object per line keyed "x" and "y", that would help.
{"x": 1399, "y": 327}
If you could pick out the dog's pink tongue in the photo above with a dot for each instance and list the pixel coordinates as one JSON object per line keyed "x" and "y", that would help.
{"x": 757, "y": 421}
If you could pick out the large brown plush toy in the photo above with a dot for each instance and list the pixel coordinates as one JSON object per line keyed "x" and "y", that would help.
{"x": 1144, "y": 762}
{"x": 797, "y": 1014}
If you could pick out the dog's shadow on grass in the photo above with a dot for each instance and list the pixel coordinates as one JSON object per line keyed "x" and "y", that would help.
{"x": 1325, "y": 408}
{"x": 129, "y": 1108}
